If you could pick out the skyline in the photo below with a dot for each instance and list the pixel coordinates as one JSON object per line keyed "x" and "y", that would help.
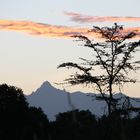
{"x": 29, "y": 58}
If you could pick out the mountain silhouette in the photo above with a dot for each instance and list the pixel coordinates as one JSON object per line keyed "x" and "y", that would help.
{"x": 53, "y": 101}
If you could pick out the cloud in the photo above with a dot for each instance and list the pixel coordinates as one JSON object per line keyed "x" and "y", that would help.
{"x": 90, "y": 19}
{"x": 47, "y": 30}
{"x": 40, "y": 29}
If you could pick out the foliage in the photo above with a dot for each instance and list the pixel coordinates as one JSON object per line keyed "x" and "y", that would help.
{"x": 113, "y": 55}
{"x": 17, "y": 119}
{"x": 81, "y": 126}
{"x": 87, "y": 126}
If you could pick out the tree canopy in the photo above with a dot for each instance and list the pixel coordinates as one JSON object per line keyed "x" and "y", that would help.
{"x": 17, "y": 119}
{"x": 114, "y": 55}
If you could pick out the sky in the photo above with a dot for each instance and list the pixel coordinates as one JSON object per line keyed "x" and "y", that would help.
{"x": 35, "y": 37}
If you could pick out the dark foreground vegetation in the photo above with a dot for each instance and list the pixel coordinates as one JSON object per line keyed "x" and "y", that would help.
{"x": 18, "y": 121}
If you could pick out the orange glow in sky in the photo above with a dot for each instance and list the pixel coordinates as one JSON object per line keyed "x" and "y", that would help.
{"x": 47, "y": 30}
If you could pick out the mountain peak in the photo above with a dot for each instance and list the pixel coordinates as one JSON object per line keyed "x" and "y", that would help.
{"x": 46, "y": 84}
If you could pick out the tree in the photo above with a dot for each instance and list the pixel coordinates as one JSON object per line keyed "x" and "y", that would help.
{"x": 114, "y": 55}
{"x": 65, "y": 128}
{"x": 17, "y": 119}
{"x": 12, "y": 100}
{"x": 13, "y": 112}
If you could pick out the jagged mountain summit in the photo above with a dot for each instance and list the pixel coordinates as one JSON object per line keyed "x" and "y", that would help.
{"x": 53, "y": 101}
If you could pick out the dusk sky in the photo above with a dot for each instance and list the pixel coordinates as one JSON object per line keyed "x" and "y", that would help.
{"x": 35, "y": 37}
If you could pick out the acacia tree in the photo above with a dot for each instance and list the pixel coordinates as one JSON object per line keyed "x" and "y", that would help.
{"x": 114, "y": 55}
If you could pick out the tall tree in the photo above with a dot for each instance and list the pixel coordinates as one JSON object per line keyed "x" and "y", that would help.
{"x": 13, "y": 112}
{"x": 113, "y": 55}
{"x": 17, "y": 119}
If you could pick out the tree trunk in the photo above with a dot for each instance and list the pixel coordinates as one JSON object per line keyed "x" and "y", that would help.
{"x": 110, "y": 97}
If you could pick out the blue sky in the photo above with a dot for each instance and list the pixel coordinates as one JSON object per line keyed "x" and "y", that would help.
{"x": 26, "y": 60}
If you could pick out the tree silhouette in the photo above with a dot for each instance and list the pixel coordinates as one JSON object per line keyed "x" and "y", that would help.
{"x": 13, "y": 112}
{"x": 113, "y": 55}
{"x": 83, "y": 128}
{"x": 39, "y": 123}
{"x": 17, "y": 119}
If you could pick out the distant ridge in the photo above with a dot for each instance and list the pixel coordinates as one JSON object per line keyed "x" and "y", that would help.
{"x": 53, "y": 101}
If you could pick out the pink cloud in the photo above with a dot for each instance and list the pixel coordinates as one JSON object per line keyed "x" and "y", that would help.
{"x": 90, "y": 19}
{"x": 47, "y": 30}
